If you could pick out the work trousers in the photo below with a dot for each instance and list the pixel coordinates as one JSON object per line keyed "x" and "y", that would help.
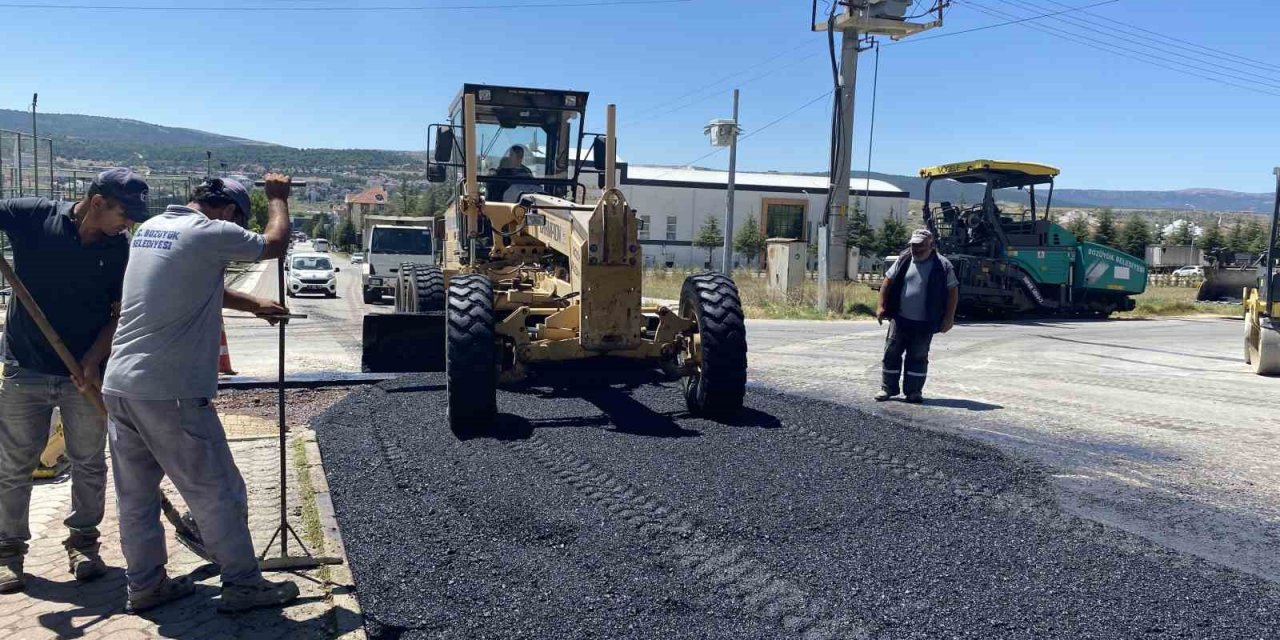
{"x": 184, "y": 440}
{"x": 27, "y": 400}
{"x": 906, "y": 356}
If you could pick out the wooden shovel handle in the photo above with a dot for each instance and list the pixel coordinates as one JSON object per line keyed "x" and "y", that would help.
{"x": 90, "y": 391}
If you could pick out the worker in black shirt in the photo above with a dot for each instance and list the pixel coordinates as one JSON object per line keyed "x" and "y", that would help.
{"x": 71, "y": 257}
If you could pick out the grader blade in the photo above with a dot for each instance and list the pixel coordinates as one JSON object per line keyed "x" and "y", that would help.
{"x": 403, "y": 342}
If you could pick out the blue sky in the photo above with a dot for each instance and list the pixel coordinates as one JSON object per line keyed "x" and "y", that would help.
{"x": 377, "y": 78}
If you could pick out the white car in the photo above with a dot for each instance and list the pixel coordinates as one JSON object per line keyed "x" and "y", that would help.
{"x": 1189, "y": 271}
{"x": 357, "y": 259}
{"x": 312, "y": 273}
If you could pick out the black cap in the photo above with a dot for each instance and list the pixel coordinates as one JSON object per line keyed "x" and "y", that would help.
{"x": 127, "y": 187}
{"x": 231, "y": 190}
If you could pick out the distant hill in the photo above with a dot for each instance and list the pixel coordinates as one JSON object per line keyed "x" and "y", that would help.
{"x": 1182, "y": 199}
{"x": 100, "y": 129}
{"x": 104, "y": 141}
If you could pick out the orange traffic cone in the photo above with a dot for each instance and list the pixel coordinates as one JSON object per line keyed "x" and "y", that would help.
{"x": 224, "y": 357}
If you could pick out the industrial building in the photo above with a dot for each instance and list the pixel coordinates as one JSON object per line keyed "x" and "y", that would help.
{"x": 674, "y": 203}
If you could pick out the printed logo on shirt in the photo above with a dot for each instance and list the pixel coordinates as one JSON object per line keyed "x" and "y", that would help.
{"x": 155, "y": 239}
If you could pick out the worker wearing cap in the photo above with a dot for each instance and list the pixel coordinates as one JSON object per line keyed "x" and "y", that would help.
{"x": 71, "y": 256}
{"x": 160, "y": 383}
{"x": 919, "y": 297}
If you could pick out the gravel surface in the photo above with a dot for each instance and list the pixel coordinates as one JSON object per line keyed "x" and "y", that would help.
{"x": 608, "y": 512}
{"x": 301, "y": 405}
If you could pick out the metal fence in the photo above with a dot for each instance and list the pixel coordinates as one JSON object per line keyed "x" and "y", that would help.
{"x": 26, "y": 165}
{"x": 164, "y": 190}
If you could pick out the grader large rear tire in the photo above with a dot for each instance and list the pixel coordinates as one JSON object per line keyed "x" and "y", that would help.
{"x": 718, "y": 387}
{"x": 428, "y": 287}
{"x": 405, "y": 299}
{"x": 471, "y": 355}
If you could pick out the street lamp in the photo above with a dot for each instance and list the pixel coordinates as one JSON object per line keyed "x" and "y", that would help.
{"x": 724, "y": 133}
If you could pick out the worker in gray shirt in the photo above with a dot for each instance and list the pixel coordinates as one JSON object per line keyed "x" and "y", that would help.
{"x": 919, "y": 297}
{"x": 160, "y": 383}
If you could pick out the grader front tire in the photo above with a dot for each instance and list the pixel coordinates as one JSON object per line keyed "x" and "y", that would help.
{"x": 428, "y": 287}
{"x": 471, "y": 354}
{"x": 717, "y": 388}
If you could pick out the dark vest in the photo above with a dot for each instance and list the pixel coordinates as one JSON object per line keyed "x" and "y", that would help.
{"x": 936, "y": 290}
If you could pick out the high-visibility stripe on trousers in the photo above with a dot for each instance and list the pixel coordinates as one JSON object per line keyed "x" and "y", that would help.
{"x": 906, "y": 357}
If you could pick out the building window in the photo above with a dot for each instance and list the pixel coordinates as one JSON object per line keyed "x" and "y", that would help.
{"x": 672, "y": 221}
{"x": 643, "y": 231}
{"x": 784, "y": 218}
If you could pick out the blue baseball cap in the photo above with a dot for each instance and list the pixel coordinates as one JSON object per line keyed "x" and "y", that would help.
{"x": 238, "y": 194}
{"x": 127, "y": 187}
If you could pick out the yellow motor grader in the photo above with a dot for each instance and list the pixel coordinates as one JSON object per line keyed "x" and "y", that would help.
{"x": 539, "y": 267}
{"x": 1262, "y": 304}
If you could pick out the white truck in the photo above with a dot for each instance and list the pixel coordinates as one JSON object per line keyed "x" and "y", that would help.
{"x": 390, "y": 241}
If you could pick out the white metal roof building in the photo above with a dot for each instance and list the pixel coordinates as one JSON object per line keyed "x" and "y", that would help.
{"x": 674, "y": 202}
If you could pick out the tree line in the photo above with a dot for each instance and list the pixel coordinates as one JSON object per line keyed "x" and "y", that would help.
{"x": 1137, "y": 233}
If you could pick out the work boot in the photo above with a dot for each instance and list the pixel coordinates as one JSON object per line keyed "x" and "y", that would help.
{"x": 83, "y": 558}
{"x": 163, "y": 592}
{"x": 884, "y": 395}
{"x": 11, "y": 576}
{"x": 260, "y": 593}
{"x": 915, "y": 398}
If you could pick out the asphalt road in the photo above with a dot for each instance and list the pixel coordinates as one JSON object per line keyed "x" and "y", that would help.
{"x": 605, "y": 511}
{"x": 327, "y": 340}
{"x": 1150, "y": 427}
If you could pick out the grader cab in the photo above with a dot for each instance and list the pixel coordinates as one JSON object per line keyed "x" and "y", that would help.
{"x": 539, "y": 267}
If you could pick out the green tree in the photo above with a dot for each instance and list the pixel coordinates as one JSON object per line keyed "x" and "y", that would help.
{"x": 319, "y": 229}
{"x": 1105, "y": 233}
{"x": 893, "y": 237}
{"x": 860, "y": 233}
{"x": 710, "y": 237}
{"x": 1212, "y": 241}
{"x": 749, "y": 242}
{"x": 348, "y": 237}
{"x": 1079, "y": 227}
{"x": 1157, "y": 236}
{"x": 1135, "y": 235}
{"x": 1182, "y": 234}
{"x": 1255, "y": 237}
{"x": 1236, "y": 241}
{"x": 257, "y": 210}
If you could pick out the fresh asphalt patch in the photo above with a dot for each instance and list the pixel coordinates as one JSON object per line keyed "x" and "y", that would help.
{"x": 602, "y": 509}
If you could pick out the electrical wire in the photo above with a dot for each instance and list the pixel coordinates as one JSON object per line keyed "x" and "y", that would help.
{"x": 1255, "y": 62}
{"x": 871, "y": 137}
{"x": 1006, "y": 23}
{"x": 381, "y": 8}
{"x": 1214, "y": 62}
{"x": 1121, "y": 50}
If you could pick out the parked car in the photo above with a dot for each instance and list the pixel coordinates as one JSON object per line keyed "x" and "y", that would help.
{"x": 1189, "y": 271}
{"x": 357, "y": 259}
{"x": 312, "y": 273}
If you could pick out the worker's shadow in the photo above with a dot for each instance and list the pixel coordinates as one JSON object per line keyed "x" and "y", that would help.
{"x": 97, "y": 602}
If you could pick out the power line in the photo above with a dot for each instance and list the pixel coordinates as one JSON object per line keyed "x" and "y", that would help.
{"x": 744, "y": 137}
{"x": 1120, "y": 50}
{"x": 1225, "y": 65}
{"x": 1256, "y": 63}
{"x": 381, "y": 8}
{"x": 1002, "y": 24}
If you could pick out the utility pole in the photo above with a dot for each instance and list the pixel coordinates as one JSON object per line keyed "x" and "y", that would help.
{"x": 208, "y": 164}
{"x": 35, "y": 150}
{"x": 725, "y": 133}
{"x": 853, "y": 19}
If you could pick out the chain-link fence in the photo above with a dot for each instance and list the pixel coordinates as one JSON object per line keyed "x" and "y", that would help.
{"x": 72, "y": 184}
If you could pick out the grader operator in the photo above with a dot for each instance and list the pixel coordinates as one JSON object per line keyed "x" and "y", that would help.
{"x": 540, "y": 267}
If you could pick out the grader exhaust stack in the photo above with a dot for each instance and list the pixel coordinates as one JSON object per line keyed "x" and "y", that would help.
{"x": 538, "y": 271}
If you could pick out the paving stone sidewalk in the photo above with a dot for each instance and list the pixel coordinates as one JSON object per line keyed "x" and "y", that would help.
{"x": 54, "y": 605}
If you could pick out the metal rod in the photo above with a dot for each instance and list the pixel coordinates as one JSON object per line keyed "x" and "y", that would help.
{"x": 726, "y": 263}
{"x": 35, "y": 149}
{"x": 18, "y": 163}
{"x": 1268, "y": 268}
{"x": 284, "y": 476}
{"x": 610, "y": 147}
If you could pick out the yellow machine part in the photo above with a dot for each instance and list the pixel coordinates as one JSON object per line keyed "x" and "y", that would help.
{"x": 1261, "y": 334}
{"x": 1004, "y": 166}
